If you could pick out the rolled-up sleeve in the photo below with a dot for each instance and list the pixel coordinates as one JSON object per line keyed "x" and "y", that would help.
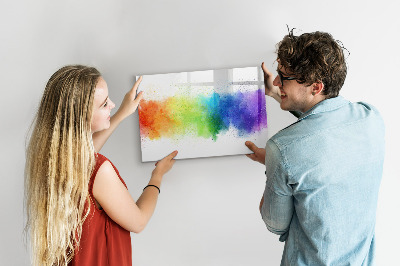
{"x": 277, "y": 209}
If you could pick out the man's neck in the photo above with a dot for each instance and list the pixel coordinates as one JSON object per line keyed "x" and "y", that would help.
{"x": 316, "y": 100}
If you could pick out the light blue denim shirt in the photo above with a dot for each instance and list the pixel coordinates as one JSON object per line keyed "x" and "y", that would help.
{"x": 323, "y": 176}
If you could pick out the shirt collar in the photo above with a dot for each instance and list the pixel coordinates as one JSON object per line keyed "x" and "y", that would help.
{"x": 325, "y": 106}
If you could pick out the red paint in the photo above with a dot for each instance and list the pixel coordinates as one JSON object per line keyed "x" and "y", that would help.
{"x": 155, "y": 119}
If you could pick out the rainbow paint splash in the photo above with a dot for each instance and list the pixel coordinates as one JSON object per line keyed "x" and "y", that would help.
{"x": 203, "y": 116}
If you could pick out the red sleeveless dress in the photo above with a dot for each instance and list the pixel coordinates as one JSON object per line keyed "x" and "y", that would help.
{"x": 103, "y": 241}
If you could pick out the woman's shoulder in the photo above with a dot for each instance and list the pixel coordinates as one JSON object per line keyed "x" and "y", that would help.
{"x": 100, "y": 161}
{"x": 102, "y": 164}
{"x": 105, "y": 167}
{"x": 100, "y": 158}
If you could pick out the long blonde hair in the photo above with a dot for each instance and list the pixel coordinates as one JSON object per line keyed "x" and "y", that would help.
{"x": 59, "y": 162}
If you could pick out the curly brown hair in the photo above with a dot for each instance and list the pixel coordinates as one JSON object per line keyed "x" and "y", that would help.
{"x": 314, "y": 57}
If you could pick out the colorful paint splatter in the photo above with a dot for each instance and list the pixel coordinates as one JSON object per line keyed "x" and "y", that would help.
{"x": 203, "y": 116}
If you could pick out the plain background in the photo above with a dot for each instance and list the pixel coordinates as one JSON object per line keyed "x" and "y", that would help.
{"x": 208, "y": 208}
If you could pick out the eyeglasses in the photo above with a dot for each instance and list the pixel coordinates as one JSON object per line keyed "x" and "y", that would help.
{"x": 282, "y": 78}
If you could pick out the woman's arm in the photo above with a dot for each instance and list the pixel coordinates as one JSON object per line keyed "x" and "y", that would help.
{"x": 128, "y": 107}
{"x": 116, "y": 201}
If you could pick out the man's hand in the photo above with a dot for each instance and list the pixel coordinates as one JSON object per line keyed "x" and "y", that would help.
{"x": 259, "y": 153}
{"x": 270, "y": 89}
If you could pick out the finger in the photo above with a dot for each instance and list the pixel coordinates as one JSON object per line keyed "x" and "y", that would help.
{"x": 251, "y": 146}
{"x": 251, "y": 156}
{"x": 265, "y": 69}
{"x": 139, "y": 97}
{"x": 172, "y": 155}
{"x": 136, "y": 85}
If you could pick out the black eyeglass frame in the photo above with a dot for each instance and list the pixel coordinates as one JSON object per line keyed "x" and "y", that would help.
{"x": 282, "y": 78}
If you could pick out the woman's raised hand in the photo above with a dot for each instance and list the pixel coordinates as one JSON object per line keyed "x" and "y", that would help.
{"x": 131, "y": 100}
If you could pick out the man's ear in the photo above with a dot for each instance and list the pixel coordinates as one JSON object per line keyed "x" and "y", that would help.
{"x": 317, "y": 88}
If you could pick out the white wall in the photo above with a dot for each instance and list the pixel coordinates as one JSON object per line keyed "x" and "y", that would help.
{"x": 208, "y": 208}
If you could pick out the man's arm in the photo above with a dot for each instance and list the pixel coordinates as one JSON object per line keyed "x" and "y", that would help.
{"x": 276, "y": 206}
{"x": 274, "y": 91}
{"x": 270, "y": 89}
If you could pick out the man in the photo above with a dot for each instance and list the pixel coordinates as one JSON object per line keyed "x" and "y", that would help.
{"x": 323, "y": 171}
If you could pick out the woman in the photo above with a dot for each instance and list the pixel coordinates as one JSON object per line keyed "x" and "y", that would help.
{"x": 78, "y": 207}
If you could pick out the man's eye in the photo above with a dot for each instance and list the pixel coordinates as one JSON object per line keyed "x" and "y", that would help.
{"x": 105, "y": 104}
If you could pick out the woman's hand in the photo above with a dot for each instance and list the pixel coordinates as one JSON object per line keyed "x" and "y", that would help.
{"x": 128, "y": 107}
{"x": 270, "y": 89}
{"x": 164, "y": 165}
{"x": 131, "y": 101}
